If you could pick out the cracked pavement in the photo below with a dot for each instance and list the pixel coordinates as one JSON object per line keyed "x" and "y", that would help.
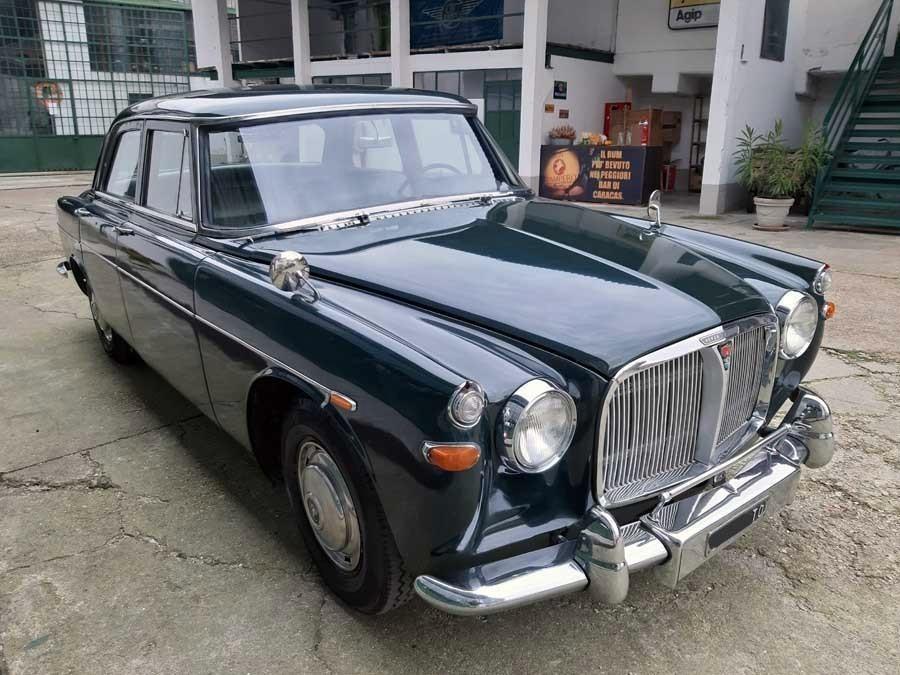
{"x": 136, "y": 537}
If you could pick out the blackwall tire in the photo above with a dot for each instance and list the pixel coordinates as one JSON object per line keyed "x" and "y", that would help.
{"x": 369, "y": 575}
{"x": 110, "y": 340}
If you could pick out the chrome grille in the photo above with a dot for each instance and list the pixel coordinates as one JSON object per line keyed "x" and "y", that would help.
{"x": 652, "y": 422}
{"x": 745, "y": 375}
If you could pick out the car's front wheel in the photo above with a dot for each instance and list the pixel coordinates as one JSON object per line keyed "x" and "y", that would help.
{"x": 340, "y": 515}
{"x": 113, "y": 343}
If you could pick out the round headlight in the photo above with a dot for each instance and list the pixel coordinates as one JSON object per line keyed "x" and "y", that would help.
{"x": 799, "y": 316}
{"x": 823, "y": 281}
{"x": 467, "y": 405}
{"x": 538, "y": 426}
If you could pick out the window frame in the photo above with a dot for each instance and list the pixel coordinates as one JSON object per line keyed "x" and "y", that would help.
{"x": 498, "y": 165}
{"x": 770, "y": 56}
{"x": 101, "y": 177}
{"x": 188, "y": 132}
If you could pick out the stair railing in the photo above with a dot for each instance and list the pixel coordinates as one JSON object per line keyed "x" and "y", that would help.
{"x": 850, "y": 95}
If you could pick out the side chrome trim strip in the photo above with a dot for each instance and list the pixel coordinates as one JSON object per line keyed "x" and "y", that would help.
{"x": 325, "y": 391}
{"x": 271, "y": 360}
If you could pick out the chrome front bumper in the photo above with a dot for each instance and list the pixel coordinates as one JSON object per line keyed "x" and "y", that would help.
{"x": 684, "y": 530}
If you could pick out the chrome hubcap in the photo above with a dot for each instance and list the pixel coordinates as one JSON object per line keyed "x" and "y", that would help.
{"x": 105, "y": 328}
{"x": 328, "y": 505}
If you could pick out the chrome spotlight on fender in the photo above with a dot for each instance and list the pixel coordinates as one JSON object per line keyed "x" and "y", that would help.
{"x": 654, "y": 210}
{"x": 289, "y": 271}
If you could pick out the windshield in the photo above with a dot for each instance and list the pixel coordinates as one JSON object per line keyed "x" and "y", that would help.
{"x": 284, "y": 171}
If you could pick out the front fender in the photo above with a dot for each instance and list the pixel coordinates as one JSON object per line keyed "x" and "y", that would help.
{"x": 349, "y": 341}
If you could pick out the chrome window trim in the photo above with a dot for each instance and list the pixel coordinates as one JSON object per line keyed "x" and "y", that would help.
{"x": 708, "y": 453}
{"x": 147, "y": 211}
{"x": 309, "y": 111}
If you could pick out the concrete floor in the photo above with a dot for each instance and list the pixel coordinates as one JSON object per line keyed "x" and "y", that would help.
{"x": 135, "y": 537}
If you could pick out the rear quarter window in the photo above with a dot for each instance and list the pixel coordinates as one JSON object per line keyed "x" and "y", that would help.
{"x": 122, "y": 178}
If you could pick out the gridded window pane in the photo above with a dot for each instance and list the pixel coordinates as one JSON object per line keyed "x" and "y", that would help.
{"x": 123, "y": 173}
{"x": 168, "y": 173}
{"x": 349, "y": 27}
{"x": 473, "y": 83}
{"x": 775, "y": 27}
{"x": 448, "y": 82}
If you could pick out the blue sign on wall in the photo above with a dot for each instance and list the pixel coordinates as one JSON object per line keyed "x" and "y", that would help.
{"x": 436, "y": 23}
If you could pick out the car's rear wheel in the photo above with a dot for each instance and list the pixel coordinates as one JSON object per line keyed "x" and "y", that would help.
{"x": 340, "y": 515}
{"x": 110, "y": 340}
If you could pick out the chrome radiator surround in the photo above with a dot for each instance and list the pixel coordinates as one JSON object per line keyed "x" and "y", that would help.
{"x": 713, "y": 442}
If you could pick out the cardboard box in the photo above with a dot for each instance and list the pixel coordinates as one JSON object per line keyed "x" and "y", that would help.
{"x": 696, "y": 181}
{"x": 671, "y": 126}
{"x": 646, "y": 126}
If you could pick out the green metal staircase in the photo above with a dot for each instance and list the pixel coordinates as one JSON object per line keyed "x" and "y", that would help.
{"x": 860, "y": 187}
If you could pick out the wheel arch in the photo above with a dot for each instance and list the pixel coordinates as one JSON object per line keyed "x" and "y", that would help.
{"x": 272, "y": 394}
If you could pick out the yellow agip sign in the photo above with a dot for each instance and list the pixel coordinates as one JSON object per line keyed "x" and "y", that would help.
{"x": 693, "y": 14}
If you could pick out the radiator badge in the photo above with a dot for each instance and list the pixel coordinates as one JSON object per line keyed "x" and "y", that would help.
{"x": 714, "y": 338}
{"x": 725, "y": 353}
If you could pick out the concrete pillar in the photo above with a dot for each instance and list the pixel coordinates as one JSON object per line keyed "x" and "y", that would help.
{"x": 300, "y": 41}
{"x": 534, "y": 52}
{"x": 212, "y": 34}
{"x": 401, "y": 67}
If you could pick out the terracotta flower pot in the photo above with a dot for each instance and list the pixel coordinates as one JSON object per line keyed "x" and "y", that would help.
{"x": 770, "y": 213}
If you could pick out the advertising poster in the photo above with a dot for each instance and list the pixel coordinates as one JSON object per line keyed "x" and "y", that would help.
{"x": 602, "y": 174}
{"x": 693, "y": 14}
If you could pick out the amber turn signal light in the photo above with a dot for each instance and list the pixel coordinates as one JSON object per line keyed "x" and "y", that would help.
{"x": 829, "y": 310}
{"x": 452, "y": 456}
{"x": 341, "y": 402}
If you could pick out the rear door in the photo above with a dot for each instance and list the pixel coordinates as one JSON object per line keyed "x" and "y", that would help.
{"x": 158, "y": 261}
{"x": 103, "y": 218}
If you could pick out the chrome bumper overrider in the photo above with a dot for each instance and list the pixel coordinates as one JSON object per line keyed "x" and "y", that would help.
{"x": 680, "y": 534}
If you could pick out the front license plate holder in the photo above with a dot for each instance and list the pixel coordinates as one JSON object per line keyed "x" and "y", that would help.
{"x": 731, "y": 530}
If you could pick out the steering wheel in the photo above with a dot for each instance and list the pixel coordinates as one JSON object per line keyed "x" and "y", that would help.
{"x": 431, "y": 167}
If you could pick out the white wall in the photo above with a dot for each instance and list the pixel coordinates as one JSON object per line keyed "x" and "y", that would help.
{"x": 645, "y": 45}
{"x": 591, "y": 84}
{"x": 834, "y": 31}
{"x": 749, "y": 90}
{"x": 584, "y": 24}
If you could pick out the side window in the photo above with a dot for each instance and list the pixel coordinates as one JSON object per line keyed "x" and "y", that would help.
{"x": 122, "y": 178}
{"x": 169, "y": 174}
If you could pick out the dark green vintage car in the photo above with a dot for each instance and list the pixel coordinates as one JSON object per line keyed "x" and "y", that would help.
{"x": 468, "y": 392}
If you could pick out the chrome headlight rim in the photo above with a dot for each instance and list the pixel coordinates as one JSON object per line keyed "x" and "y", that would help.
{"x": 787, "y": 309}
{"x": 469, "y": 388}
{"x": 518, "y": 406}
{"x": 823, "y": 281}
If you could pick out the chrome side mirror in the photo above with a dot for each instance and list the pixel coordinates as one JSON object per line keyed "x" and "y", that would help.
{"x": 289, "y": 271}
{"x": 654, "y": 210}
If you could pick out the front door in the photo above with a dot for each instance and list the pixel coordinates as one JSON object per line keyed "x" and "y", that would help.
{"x": 158, "y": 262}
{"x": 502, "y": 108}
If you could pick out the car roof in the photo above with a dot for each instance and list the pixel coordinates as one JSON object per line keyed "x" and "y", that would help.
{"x": 272, "y": 100}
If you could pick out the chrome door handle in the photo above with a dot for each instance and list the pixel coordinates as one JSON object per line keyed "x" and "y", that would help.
{"x": 82, "y": 212}
{"x": 124, "y": 229}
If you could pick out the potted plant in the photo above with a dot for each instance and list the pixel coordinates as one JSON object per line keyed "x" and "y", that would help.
{"x": 776, "y": 175}
{"x": 563, "y": 134}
